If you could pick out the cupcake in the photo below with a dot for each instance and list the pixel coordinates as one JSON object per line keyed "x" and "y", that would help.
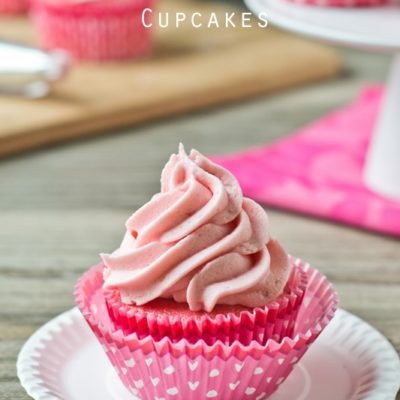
{"x": 13, "y": 6}
{"x": 199, "y": 299}
{"x": 93, "y": 30}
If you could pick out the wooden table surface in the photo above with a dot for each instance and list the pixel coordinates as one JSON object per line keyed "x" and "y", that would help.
{"x": 60, "y": 207}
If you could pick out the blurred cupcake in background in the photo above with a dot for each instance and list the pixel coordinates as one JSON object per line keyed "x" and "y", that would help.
{"x": 14, "y": 6}
{"x": 93, "y": 30}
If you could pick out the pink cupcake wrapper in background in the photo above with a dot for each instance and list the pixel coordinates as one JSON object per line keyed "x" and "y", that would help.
{"x": 276, "y": 320}
{"x": 14, "y": 6}
{"x": 97, "y": 31}
{"x": 343, "y": 3}
{"x": 176, "y": 370}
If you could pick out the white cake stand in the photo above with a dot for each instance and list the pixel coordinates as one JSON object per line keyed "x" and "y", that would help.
{"x": 373, "y": 29}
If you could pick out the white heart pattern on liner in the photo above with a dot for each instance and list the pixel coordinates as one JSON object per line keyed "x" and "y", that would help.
{"x": 172, "y": 391}
{"x": 250, "y": 390}
{"x": 130, "y": 363}
{"x": 211, "y": 394}
{"x": 258, "y": 371}
{"x": 148, "y": 361}
{"x": 169, "y": 370}
{"x": 238, "y": 367}
{"x": 139, "y": 384}
{"x": 124, "y": 370}
{"x": 155, "y": 381}
{"x": 193, "y": 365}
{"x": 214, "y": 372}
{"x": 269, "y": 379}
{"x": 234, "y": 385}
{"x": 193, "y": 385}
{"x": 281, "y": 361}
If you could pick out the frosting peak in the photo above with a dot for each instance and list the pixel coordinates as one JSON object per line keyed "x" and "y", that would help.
{"x": 198, "y": 241}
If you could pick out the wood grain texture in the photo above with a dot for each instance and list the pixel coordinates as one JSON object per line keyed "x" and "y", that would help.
{"x": 191, "y": 69}
{"x": 60, "y": 207}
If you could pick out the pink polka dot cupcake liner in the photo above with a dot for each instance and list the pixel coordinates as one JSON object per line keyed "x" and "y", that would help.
{"x": 14, "y": 6}
{"x": 343, "y": 3}
{"x": 171, "y": 370}
{"x": 93, "y": 30}
{"x": 276, "y": 320}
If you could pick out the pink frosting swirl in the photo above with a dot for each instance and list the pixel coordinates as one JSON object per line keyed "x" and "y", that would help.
{"x": 198, "y": 241}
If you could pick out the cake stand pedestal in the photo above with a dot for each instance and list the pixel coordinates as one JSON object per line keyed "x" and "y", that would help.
{"x": 372, "y": 29}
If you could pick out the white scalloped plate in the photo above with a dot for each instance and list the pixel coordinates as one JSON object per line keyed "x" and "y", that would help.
{"x": 350, "y": 361}
{"x": 370, "y": 28}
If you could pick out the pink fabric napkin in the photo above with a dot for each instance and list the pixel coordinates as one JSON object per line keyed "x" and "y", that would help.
{"x": 318, "y": 170}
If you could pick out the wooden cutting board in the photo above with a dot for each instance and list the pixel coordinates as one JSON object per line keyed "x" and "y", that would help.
{"x": 191, "y": 69}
